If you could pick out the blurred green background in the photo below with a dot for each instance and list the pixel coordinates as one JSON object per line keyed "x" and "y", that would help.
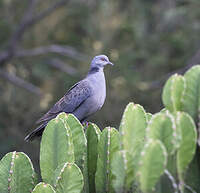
{"x": 46, "y": 47}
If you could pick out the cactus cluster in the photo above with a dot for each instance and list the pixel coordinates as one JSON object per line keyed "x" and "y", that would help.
{"x": 149, "y": 153}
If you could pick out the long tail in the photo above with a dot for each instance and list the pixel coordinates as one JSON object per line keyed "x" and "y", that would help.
{"x": 35, "y": 133}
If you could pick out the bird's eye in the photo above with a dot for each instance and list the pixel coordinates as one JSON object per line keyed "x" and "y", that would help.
{"x": 103, "y": 59}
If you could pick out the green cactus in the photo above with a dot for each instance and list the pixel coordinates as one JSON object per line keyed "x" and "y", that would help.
{"x": 93, "y": 135}
{"x": 35, "y": 178}
{"x": 85, "y": 176}
{"x": 16, "y": 173}
{"x": 119, "y": 168}
{"x": 79, "y": 139}
{"x": 43, "y": 188}
{"x": 132, "y": 128}
{"x": 149, "y": 116}
{"x": 187, "y": 148}
{"x": 107, "y": 146}
{"x": 162, "y": 126}
{"x": 164, "y": 110}
{"x": 80, "y": 146}
{"x": 173, "y": 93}
{"x": 57, "y": 173}
{"x": 191, "y": 99}
{"x": 152, "y": 164}
{"x": 70, "y": 179}
{"x": 56, "y": 147}
{"x": 132, "y": 132}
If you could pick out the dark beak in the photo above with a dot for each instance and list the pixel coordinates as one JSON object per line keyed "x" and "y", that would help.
{"x": 110, "y": 63}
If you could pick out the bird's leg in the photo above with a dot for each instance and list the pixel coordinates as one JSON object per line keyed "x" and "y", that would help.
{"x": 85, "y": 124}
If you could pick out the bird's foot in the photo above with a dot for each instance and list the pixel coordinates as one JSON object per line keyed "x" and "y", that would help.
{"x": 85, "y": 124}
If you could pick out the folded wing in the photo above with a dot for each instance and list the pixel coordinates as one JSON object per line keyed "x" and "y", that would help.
{"x": 74, "y": 97}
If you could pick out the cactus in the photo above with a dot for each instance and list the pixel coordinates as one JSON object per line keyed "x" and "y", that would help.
{"x": 162, "y": 126}
{"x": 187, "y": 148}
{"x": 69, "y": 180}
{"x": 93, "y": 135}
{"x": 149, "y": 116}
{"x": 191, "y": 100}
{"x": 152, "y": 164}
{"x": 43, "y": 188}
{"x": 119, "y": 168}
{"x": 164, "y": 110}
{"x": 56, "y": 147}
{"x": 80, "y": 147}
{"x": 79, "y": 139}
{"x": 16, "y": 173}
{"x": 132, "y": 128}
{"x": 107, "y": 146}
{"x": 35, "y": 176}
{"x": 132, "y": 131}
{"x": 181, "y": 93}
{"x": 173, "y": 93}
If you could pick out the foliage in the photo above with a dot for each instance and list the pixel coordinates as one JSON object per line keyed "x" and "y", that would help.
{"x": 133, "y": 159}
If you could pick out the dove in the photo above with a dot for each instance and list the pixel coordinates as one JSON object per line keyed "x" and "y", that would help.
{"x": 82, "y": 100}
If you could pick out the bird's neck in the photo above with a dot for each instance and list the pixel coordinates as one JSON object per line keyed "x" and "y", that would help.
{"x": 96, "y": 75}
{"x": 94, "y": 70}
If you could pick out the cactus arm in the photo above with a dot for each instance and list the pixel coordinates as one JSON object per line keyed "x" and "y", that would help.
{"x": 56, "y": 147}
{"x": 152, "y": 164}
{"x": 187, "y": 148}
{"x": 191, "y": 101}
{"x": 70, "y": 179}
{"x": 173, "y": 93}
{"x": 13, "y": 177}
{"x": 79, "y": 139}
{"x": 107, "y": 146}
{"x": 118, "y": 167}
{"x": 163, "y": 127}
{"x": 132, "y": 132}
{"x": 93, "y": 135}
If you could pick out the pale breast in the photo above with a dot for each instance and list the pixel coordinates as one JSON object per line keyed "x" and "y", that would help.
{"x": 97, "y": 98}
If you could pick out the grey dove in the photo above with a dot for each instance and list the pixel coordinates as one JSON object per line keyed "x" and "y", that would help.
{"x": 83, "y": 99}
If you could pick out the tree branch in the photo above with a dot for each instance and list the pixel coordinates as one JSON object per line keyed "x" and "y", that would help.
{"x": 62, "y": 50}
{"x": 17, "y": 35}
{"x": 20, "y": 83}
{"x": 27, "y": 21}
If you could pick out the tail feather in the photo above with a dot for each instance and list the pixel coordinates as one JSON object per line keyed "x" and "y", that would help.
{"x": 35, "y": 133}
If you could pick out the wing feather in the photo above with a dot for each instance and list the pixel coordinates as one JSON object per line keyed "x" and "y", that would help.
{"x": 74, "y": 97}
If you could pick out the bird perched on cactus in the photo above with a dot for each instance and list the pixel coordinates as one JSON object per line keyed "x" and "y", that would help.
{"x": 83, "y": 99}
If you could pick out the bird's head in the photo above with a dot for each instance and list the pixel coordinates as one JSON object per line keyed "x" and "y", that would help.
{"x": 100, "y": 61}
